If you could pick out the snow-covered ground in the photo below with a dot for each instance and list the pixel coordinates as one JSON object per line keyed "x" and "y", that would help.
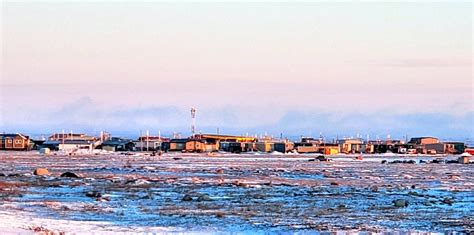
{"x": 248, "y": 193}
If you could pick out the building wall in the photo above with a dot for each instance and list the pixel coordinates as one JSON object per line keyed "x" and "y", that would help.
{"x": 429, "y": 140}
{"x": 264, "y": 146}
{"x": 68, "y": 147}
{"x": 329, "y": 150}
{"x": 152, "y": 145}
{"x": 177, "y": 146}
{"x": 307, "y": 149}
{"x": 14, "y": 143}
{"x": 439, "y": 148}
{"x": 195, "y": 146}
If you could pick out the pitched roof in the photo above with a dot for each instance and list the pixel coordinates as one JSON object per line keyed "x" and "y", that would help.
{"x": 14, "y": 135}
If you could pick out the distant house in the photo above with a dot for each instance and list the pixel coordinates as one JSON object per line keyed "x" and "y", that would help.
{"x": 72, "y": 145}
{"x": 423, "y": 140}
{"x": 306, "y": 147}
{"x": 178, "y": 145}
{"x": 352, "y": 146}
{"x": 149, "y": 143}
{"x": 283, "y": 147}
{"x": 14, "y": 142}
{"x": 231, "y": 147}
{"x": 117, "y": 144}
{"x": 455, "y": 147}
{"x": 446, "y": 148}
{"x": 329, "y": 149}
{"x": 70, "y": 136}
{"x": 195, "y": 146}
{"x": 266, "y": 147}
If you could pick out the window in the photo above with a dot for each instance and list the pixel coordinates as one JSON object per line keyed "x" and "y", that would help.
{"x": 18, "y": 142}
{"x": 9, "y": 141}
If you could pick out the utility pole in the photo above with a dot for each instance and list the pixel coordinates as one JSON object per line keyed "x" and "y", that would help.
{"x": 62, "y": 139}
{"x": 147, "y": 140}
{"x": 193, "y": 124}
{"x": 141, "y": 141}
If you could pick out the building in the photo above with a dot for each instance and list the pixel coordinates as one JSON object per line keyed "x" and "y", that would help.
{"x": 221, "y": 138}
{"x": 329, "y": 149}
{"x": 455, "y": 147}
{"x": 306, "y": 147}
{"x": 445, "y": 148}
{"x": 352, "y": 146}
{"x": 195, "y": 146}
{"x": 266, "y": 147}
{"x": 283, "y": 147}
{"x": 117, "y": 144}
{"x": 165, "y": 146}
{"x": 70, "y": 136}
{"x": 74, "y": 145}
{"x": 231, "y": 147}
{"x": 177, "y": 145}
{"x": 423, "y": 140}
{"x": 15, "y": 142}
{"x": 149, "y": 143}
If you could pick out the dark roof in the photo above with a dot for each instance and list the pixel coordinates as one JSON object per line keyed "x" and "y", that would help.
{"x": 179, "y": 140}
{"x": 116, "y": 141}
{"x": 51, "y": 142}
{"x": 153, "y": 138}
{"x": 14, "y": 135}
{"x": 197, "y": 140}
{"x": 424, "y": 137}
{"x": 76, "y": 142}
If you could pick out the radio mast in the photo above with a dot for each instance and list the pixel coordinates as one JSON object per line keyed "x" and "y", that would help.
{"x": 193, "y": 124}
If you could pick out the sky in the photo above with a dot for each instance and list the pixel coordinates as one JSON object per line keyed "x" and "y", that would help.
{"x": 340, "y": 68}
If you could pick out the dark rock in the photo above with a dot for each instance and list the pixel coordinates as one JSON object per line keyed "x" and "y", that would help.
{"x": 219, "y": 171}
{"x": 427, "y": 203}
{"x": 1, "y": 174}
{"x": 334, "y": 183}
{"x": 94, "y": 194}
{"x": 448, "y": 201}
{"x": 187, "y": 198}
{"x": 322, "y": 158}
{"x": 413, "y": 193}
{"x": 384, "y": 161}
{"x": 403, "y": 161}
{"x": 103, "y": 199}
{"x": 400, "y": 203}
{"x": 70, "y": 175}
{"x": 204, "y": 197}
{"x": 177, "y": 158}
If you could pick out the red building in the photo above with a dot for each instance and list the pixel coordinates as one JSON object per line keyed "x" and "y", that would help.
{"x": 14, "y": 142}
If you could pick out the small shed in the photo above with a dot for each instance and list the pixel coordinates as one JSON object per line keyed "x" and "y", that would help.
{"x": 45, "y": 151}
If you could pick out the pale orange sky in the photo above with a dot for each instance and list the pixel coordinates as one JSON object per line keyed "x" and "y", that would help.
{"x": 256, "y": 59}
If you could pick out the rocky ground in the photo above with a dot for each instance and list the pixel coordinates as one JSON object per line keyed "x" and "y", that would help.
{"x": 232, "y": 193}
